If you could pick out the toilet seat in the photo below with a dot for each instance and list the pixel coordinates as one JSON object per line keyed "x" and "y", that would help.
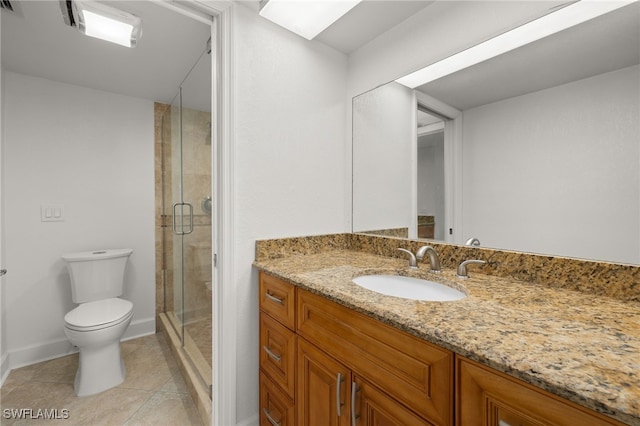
{"x": 99, "y": 314}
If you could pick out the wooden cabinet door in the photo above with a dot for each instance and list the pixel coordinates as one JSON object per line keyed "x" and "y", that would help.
{"x": 413, "y": 371}
{"x": 372, "y": 407}
{"x": 323, "y": 388}
{"x": 486, "y": 397}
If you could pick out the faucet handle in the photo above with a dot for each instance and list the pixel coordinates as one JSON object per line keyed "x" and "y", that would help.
{"x": 413, "y": 263}
{"x": 462, "y": 269}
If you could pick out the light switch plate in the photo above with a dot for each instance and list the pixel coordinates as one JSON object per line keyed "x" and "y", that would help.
{"x": 52, "y": 212}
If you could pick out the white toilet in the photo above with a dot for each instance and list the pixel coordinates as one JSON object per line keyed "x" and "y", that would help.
{"x": 100, "y": 320}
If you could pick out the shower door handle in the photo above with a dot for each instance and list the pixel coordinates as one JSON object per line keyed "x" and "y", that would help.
{"x": 190, "y": 229}
{"x": 174, "y": 226}
{"x": 3, "y": 272}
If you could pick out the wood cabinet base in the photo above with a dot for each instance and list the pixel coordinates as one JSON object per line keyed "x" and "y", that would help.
{"x": 486, "y": 397}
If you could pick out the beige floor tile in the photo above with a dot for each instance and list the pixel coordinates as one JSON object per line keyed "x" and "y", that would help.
{"x": 154, "y": 391}
{"x": 35, "y": 396}
{"x": 59, "y": 370}
{"x": 175, "y": 383}
{"x": 166, "y": 408}
{"x": 147, "y": 367}
{"x": 112, "y": 407}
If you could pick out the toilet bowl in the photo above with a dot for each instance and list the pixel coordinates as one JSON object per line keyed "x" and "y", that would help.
{"x": 101, "y": 319}
{"x": 96, "y": 328}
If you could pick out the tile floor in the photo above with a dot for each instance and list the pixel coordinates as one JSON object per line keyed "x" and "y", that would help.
{"x": 153, "y": 392}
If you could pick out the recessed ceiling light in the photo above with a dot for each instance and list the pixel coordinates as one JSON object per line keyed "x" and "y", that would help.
{"x": 306, "y": 18}
{"x": 561, "y": 19}
{"x": 102, "y": 21}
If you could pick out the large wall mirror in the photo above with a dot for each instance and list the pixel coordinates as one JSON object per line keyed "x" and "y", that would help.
{"x": 535, "y": 150}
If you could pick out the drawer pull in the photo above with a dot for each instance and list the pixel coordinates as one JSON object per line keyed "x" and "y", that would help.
{"x": 273, "y": 356}
{"x": 354, "y": 416}
{"x": 339, "y": 403}
{"x": 273, "y": 421}
{"x": 274, "y": 299}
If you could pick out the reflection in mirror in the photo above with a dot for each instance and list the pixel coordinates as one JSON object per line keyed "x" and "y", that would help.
{"x": 430, "y": 179}
{"x": 383, "y": 195}
{"x": 550, "y": 147}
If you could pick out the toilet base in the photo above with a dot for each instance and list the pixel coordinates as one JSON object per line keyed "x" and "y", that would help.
{"x": 99, "y": 369}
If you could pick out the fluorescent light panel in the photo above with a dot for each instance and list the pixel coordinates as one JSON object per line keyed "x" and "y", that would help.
{"x": 307, "y": 18}
{"x": 544, "y": 26}
{"x": 107, "y": 23}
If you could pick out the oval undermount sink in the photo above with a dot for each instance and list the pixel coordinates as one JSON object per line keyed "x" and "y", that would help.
{"x": 409, "y": 288}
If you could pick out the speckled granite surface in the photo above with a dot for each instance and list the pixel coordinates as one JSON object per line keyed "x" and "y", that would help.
{"x": 593, "y": 277}
{"x": 579, "y": 346}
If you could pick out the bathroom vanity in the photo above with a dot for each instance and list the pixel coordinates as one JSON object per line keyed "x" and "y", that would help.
{"x": 510, "y": 353}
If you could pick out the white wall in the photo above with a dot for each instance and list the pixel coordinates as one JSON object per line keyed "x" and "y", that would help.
{"x": 382, "y": 132}
{"x": 289, "y": 160}
{"x": 557, "y": 171}
{"x": 91, "y": 151}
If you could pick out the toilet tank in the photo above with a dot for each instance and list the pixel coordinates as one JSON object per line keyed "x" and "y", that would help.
{"x": 96, "y": 275}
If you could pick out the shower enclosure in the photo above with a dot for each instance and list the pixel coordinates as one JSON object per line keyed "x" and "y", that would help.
{"x": 186, "y": 214}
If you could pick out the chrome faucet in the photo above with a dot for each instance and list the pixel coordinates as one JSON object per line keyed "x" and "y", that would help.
{"x": 472, "y": 242}
{"x": 434, "y": 261}
{"x": 462, "y": 269}
{"x": 413, "y": 263}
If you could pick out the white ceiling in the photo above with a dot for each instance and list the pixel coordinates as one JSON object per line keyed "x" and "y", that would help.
{"x": 604, "y": 44}
{"x": 36, "y": 42}
{"x": 368, "y": 20}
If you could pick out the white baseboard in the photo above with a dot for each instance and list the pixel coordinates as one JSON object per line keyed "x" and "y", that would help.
{"x": 140, "y": 328}
{"x": 4, "y": 367}
{"x": 40, "y": 352}
{"x": 61, "y": 347}
{"x": 251, "y": 421}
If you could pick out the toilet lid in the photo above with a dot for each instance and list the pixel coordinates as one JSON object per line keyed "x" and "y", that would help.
{"x": 99, "y": 313}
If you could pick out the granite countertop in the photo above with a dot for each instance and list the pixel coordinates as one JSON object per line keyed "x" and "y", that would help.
{"x": 581, "y": 347}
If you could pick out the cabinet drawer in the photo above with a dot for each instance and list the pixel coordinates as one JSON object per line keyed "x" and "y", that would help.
{"x": 278, "y": 353}
{"x": 275, "y": 406}
{"x": 415, "y": 372}
{"x": 277, "y": 297}
{"x": 486, "y": 397}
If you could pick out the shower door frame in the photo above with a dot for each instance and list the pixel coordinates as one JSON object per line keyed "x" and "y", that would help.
{"x": 223, "y": 395}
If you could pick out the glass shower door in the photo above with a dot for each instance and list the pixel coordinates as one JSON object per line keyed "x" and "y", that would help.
{"x": 187, "y": 186}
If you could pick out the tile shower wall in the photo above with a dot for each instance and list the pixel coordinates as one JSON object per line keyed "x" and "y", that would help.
{"x": 196, "y": 184}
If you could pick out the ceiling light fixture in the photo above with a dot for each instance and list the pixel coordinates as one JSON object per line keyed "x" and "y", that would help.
{"x": 102, "y": 21}
{"x": 566, "y": 17}
{"x": 307, "y": 18}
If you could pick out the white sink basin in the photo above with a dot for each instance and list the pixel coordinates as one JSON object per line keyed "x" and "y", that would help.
{"x": 409, "y": 288}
